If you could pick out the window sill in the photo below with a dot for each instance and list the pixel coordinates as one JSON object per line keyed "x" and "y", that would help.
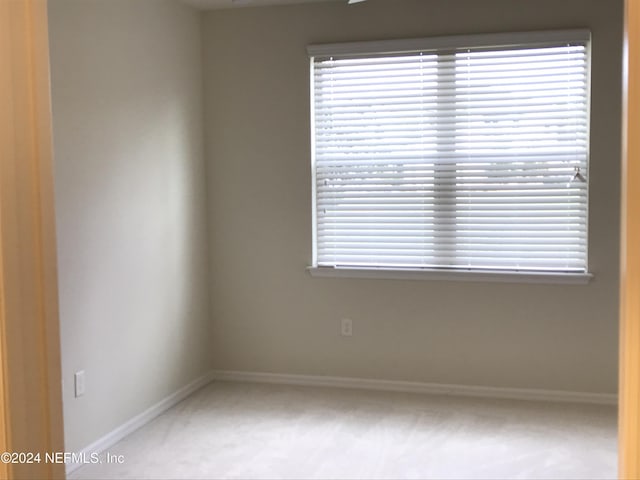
{"x": 447, "y": 275}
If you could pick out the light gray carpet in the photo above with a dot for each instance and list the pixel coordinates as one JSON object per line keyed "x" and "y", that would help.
{"x": 256, "y": 431}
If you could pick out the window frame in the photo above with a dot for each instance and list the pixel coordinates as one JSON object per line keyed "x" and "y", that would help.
{"x": 450, "y": 42}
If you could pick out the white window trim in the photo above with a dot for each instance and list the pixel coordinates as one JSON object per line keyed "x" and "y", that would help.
{"x": 453, "y": 275}
{"x": 452, "y": 41}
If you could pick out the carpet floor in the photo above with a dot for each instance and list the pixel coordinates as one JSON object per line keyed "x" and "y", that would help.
{"x": 247, "y": 431}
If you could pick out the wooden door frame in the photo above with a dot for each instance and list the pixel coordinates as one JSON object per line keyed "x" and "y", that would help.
{"x": 629, "y": 423}
{"x": 30, "y": 380}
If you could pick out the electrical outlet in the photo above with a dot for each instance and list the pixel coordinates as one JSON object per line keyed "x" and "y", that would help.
{"x": 79, "y": 383}
{"x": 346, "y": 327}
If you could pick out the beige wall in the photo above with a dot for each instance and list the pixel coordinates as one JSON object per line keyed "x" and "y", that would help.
{"x": 130, "y": 198}
{"x": 269, "y": 315}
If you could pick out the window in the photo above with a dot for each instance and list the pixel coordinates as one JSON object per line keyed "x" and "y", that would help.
{"x": 452, "y": 153}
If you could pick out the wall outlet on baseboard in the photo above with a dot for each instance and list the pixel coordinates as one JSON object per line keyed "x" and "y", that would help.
{"x": 346, "y": 327}
{"x": 79, "y": 384}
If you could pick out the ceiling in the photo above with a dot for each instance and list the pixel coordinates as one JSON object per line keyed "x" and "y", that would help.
{"x": 217, "y": 4}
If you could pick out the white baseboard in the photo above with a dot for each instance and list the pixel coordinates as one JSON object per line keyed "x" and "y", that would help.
{"x": 140, "y": 420}
{"x": 418, "y": 387}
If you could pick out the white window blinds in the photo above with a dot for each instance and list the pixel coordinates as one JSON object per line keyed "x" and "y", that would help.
{"x": 452, "y": 153}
